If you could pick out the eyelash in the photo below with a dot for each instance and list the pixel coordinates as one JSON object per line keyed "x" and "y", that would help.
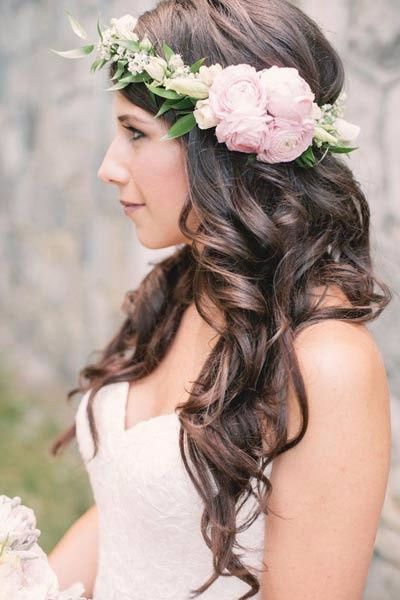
{"x": 133, "y": 130}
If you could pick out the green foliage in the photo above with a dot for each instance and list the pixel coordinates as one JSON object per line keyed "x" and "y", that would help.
{"x": 76, "y": 27}
{"x": 158, "y": 91}
{"x": 57, "y": 489}
{"x": 307, "y": 159}
{"x": 182, "y": 126}
{"x": 341, "y": 149}
{"x": 168, "y": 52}
{"x": 75, "y": 53}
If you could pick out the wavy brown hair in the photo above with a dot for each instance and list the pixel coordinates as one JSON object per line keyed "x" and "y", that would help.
{"x": 268, "y": 235}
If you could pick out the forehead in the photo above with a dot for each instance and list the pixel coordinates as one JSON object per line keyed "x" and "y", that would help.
{"x": 122, "y": 106}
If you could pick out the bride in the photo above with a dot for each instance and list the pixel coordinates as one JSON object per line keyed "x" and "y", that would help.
{"x": 236, "y": 428}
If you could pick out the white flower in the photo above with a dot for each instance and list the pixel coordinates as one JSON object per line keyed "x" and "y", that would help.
{"x": 346, "y": 132}
{"x": 316, "y": 112}
{"x": 208, "y": 74}
{"x": 145, "y": 44}
{"x": 124, "y": 27}
{"x": 17, "y": 524}
{"x": 72, "y": 593}
{"x": 27, "y": 576}
{"x": 176, "y": 62}
{"x": 187, "y": 86}
{"x": 204, "y": 116}
{"x": 321, "y": 135}
{"x": 156, "y": 68}
{"x": 183, "y": 71}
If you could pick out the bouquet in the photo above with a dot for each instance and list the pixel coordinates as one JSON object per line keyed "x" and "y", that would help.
{"x": 25, "y": 572}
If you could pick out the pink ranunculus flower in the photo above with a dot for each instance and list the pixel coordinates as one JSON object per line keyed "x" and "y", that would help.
{"x": 288, "y": 95}
{"x": 237, "y": 88}
{"x": 287, "y": 140}
{"x": 244, "y": 132}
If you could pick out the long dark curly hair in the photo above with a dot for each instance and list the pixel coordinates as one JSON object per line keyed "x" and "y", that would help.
{"x": 268, "y": 234}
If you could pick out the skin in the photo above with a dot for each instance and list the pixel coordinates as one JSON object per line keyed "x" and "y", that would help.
{"x": 330, "y": 487}
{"x": 149, "y": 171}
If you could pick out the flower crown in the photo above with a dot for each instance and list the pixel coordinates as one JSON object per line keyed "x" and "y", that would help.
{"x": 270, "y": 114}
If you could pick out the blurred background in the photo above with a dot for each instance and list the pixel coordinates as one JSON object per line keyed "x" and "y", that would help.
{"x": 68, "y": 253}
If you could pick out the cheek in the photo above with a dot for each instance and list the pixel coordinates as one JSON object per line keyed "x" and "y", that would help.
{"x": 160, "y": 175}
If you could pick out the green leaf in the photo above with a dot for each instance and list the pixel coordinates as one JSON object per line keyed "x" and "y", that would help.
{"x": 341, "y": 149}
{"x": 119, "y": 71}
{"x": 76, "y": 27}
{"x": 165, "y": 107}
{"x": 182, "y": 126}
{"x": 130, "y": 44}
{"x": 98, "y": 64}
{"x": 196, "y": 66}
{"x": 117, "y": 86}
{"x": 139, "y": 78}
{"x": 75, "y": 53}
{"x": 184, "y": 103}
{"x": 307, "y": 159}
{"x": 98, "y": 28}
{"x": 170, "y": 94}
{"x": 168, "y": 52}
{"x": 95, "y": 65}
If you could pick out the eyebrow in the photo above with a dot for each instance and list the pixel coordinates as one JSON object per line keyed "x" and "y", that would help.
{"x": 124, "y": 118}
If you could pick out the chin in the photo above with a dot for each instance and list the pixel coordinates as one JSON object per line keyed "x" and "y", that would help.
{"x": 159, "y": 244}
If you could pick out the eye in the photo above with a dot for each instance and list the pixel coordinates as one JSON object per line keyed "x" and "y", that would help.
{"x": 136, "y": 131}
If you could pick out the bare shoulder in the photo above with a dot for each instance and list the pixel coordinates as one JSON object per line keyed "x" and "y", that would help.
{"x": 330, "y": 487}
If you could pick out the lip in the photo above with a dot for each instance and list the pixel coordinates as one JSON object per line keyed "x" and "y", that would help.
{"x": 130, "y": 207}
{"x": 129, "y": 204}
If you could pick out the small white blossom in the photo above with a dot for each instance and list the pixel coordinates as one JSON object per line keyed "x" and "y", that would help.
{"x": 187, "y": 86}
{"x": 156, "y": 68}
{"x": 17, "y": 525}
{"x": 346, "y": 132}
{"x": 205, "y": 118}
{"x": 175, "y": 62}
{"x": 124, "y": 27}
{"x": 137, "y": 64}
{"x": 208, "y": 74}
{"x": 145, "y": 44}
{"x": 182, "y": 72}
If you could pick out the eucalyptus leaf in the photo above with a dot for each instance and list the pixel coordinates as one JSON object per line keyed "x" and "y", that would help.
{"x": 182, "y": 126}
{"x": 75, "y": 53}
{"x": 76, "y": 27}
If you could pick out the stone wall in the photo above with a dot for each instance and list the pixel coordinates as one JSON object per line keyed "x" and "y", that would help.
{"x": 67, "y": 252}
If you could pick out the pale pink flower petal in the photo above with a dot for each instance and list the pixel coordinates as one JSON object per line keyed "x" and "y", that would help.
{"x": 287, "y": 141}
{"x": 289, "y": 95}
{"x": 243, "y": 132}
{"x": 237, "y": 88}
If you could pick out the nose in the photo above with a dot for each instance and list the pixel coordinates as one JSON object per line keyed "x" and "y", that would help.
{"x": 112, "y": 169}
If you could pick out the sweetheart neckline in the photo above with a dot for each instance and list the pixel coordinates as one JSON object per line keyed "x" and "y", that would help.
{"x": 150, "y": 420}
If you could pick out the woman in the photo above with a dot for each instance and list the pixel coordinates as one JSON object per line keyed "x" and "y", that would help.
{"x": 236, "y": 429}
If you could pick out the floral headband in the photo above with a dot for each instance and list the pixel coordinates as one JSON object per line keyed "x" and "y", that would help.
{"x": 270, "y": 114}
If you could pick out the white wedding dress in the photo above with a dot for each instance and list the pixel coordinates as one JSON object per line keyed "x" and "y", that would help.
{"x": 150, "y": 542}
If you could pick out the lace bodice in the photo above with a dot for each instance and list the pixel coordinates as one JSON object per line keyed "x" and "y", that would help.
{"x": 150, "y": 542}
